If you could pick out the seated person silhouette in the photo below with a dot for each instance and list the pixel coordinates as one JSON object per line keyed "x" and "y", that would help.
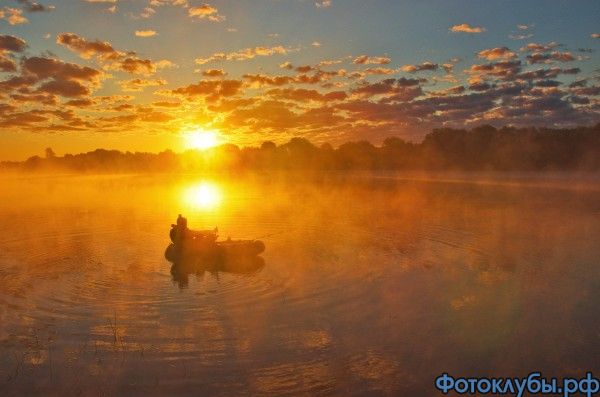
{"x": 181, "y": 228}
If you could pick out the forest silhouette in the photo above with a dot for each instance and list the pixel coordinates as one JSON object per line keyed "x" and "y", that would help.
{"x": 484, "y": 148}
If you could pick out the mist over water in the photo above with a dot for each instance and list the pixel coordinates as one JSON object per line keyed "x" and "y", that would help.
{"x": 371, "y": 284}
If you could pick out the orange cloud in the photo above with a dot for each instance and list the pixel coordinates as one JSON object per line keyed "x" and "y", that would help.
{"x": 304, "y": 95}
{"x": 213, "y": 73}
{"x": 106, "y": 54}
{"x": 420, "y": 67}
{"x": 7, "y": 64}
{"x": 247, "y": 53}
{"x": 368, "y": 60}
{"x": 466, "y": 28}
{"x": 206, "y": 11}
{"x": 145, "y": 33}
{"x": 13, "y": 16}
{"x": 263, "y": 80}
{"x": 496, "y": 53}
{"x": 211, "y": 90}
{"x": 140, "y": 84}
{"x": 85, "y": 48}
{"x": 536, "y": 47}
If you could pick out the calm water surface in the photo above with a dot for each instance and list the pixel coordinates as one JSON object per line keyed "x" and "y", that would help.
{"x": 370, "y": 286}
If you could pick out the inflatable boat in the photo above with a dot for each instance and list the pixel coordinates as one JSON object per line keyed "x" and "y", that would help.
{"x": 202, "y": 246}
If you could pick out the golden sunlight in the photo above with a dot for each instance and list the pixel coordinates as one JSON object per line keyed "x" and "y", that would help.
{"x": 201, "y": 139}
{"x": 203, "y": 196}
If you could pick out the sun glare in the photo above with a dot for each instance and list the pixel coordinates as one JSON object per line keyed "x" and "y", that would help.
{"x": 201, "y": 139}
{"x": 203, "y": 196}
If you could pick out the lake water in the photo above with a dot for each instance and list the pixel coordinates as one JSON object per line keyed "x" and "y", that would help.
{"x": 371, "y": 285}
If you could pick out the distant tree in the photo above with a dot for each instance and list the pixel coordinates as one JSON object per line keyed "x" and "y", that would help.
{"x": 50, "y": 153}
{"x": 268, "y": 145}
{"x": 481, "y": 148}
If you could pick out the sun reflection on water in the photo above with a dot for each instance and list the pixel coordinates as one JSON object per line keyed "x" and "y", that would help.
{"x": 206, "y": 196}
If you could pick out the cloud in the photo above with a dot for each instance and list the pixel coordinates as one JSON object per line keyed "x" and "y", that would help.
{"x": 298, "y": 99}
{"x": 536, "y": 47}
{"x": 420, "y": 67}
{"x": 7, "y": 64}
{"x": 133, "y": 65}
{"x": 213, "y": 73}
{"x": 43, "y": 68}
{"x": 166, "y": 104}
{"x": 304, "y": 68}
{"x": 546, "y": 73}
{"x": 140, "y": 84}
{"x": 55, "y": 77}
{"x": 80, "y": 103}
{"x": 379, "y": 71}
{"x": 180, "y": 3}
{"x": 86, "y": 48}
{"x": 396, "y": 90}
{"x": 502, "y": 69}
{"x": 107, "y": 55}
{"x": 303, "y": 95}
{"x": 448, "y": 67}
{"x": 466, "y": 28}
{"x": 315, "y": 44}
{"x": 13, "y": 16}
{"x": 165, "y": 64}
{"x": 26, "y": 118}
{"x": 211, "y": 90}
{"x": 205, "y": 11}
{"x": 493, "y": 54}
{"x": 459, "y": 89}
{"x": 145, "y": 33}
{"x": 147, "y": 13}
{"x": 65, "y": 88}
{"x": 539, "y": 57}
{"x": 32, "y": 6}
{"x": 263, "y": 80}
{"x": 520, "y": 36}
{"x": 323, "y": 3}
{"x": 245, "y": 54}
{"x": 11, "y": 43}
{"x": 369, "y": 60}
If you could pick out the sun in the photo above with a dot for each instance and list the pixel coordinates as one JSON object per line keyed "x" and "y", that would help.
{"x": 201, "y": 139}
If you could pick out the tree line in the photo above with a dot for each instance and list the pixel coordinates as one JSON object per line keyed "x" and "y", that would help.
{"x": 484, "y": 148}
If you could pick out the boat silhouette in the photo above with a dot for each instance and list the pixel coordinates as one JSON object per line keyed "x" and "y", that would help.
{"x": 196, "y": 251}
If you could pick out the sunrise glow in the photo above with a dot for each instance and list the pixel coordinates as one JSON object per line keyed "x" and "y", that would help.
{"x": 201, "y": 139}
{"x": 126, "y": 84}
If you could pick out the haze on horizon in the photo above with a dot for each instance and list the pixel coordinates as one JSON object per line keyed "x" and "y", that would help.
{"x": 149, "y": 75}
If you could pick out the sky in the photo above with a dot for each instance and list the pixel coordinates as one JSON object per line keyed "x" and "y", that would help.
{"x": 145, "y": 75}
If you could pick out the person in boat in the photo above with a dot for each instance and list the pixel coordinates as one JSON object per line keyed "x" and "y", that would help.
{"x": 181, "y": 222}
{"x": 180, "y": 229}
